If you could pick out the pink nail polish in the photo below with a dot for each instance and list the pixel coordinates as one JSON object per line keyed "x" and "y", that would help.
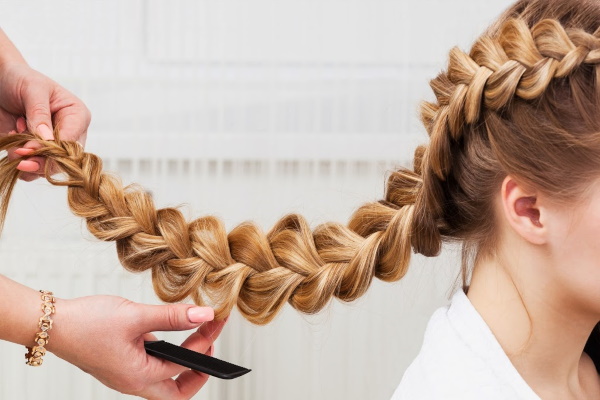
{"x": 28, "y": 166}
{"x": 22, "y": 151}
{"x": 200, "y": 314}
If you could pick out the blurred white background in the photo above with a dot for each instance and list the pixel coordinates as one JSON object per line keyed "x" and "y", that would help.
{"x": 245, "y": 109}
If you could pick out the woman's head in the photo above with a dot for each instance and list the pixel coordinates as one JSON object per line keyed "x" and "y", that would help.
{"x": 522, "y": 104}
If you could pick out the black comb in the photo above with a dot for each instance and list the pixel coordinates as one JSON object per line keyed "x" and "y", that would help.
{"x": 196, "y": 361}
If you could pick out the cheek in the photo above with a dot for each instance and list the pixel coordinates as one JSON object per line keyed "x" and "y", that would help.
{"x": 575, "y": 248}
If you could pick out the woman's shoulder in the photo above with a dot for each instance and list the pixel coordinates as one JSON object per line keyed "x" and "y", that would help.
{"x": 461, "y": 359}
{"x": 444, "y": 365}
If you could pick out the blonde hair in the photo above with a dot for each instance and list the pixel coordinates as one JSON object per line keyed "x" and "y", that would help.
{"x": 524, "y": 102}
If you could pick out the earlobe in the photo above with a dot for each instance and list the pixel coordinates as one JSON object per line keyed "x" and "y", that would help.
{"x": 522, "y": 211}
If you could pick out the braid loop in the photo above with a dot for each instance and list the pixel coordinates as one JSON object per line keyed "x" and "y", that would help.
{"x": 518, "y": 61}
{"x": 247, "y": 268}
{"x": 259, "y": 272}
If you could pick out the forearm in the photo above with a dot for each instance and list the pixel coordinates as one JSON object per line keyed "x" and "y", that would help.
{"x": 8, "y": 52}
{"x": 20, "y": 310}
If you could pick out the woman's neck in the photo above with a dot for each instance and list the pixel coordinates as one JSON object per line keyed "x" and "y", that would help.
{"x": 542, "y": 334}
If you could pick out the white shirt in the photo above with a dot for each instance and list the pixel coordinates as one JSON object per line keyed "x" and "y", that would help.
{"x": 461, "y": 359}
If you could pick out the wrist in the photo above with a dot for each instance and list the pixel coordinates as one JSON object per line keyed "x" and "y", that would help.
{"x": 9, "y": 54}
{"x": 8, "y": 61}
{"x": 57, "y": 334}
{"x": 35, "y": 353}
{"x": 20, "y": 310}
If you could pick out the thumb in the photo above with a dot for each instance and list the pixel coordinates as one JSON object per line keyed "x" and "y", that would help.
{"x": 37, "y": 111}
{"x": 173, "y": 317}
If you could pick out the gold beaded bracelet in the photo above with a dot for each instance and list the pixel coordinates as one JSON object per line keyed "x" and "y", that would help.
{"x": 34, "y": 354}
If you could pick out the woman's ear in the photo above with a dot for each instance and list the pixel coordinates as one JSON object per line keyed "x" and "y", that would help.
{"x": 522, "y": 211}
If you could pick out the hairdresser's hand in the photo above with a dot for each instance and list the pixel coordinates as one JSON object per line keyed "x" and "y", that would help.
{"x": 31, "y": 101}
{"x": 104, "y": 336}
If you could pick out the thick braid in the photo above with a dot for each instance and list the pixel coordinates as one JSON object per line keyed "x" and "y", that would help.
{"x": 261, "y": 272}
{"x": 519, "y": 62}
{"x": 257, "y": 272}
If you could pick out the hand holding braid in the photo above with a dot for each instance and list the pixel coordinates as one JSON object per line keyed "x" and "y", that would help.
{"x": 247, "y": 268}
{"x": 440, "y": 199}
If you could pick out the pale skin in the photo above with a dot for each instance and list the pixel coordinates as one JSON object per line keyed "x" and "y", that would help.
{"x": 538, "y": 292}
{"x": 547, "y": 264}
{"x": 116, "y": 328}
{"x": 31, "y": 101}
{"x": 85, "y": 327}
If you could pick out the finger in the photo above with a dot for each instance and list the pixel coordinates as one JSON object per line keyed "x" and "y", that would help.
{"x": 31, "y": 146}
{"x": 73, "y": 122}
{"x": 184, "y": 387}
{"x": 203, "y": 338}
{"x": 35, "y": 145}
{"x": 21, "y": 125}
{"x": 40, "y": 161}
{"x": 173, "y": 317}
{"x": 28, "y": 166}
{"x": 27, "y": 148}
{"x": 22, "y": 151}
{"x": 13, "y": 154}
{"x": 35, "y": 165}
{"x": 161, "y": 369}
{"x": 188, "y": 383}
{"x": 37, "y": 111}
{"x": 25, "y": 175}
{"x": 213, "y": 329}
{"x": 200, "y": 341}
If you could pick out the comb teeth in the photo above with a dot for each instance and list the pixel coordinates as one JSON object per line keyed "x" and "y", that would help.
{"x": 196, "y": 361}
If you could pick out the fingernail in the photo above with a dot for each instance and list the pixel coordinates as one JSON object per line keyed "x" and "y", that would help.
{"x": 21, "y": 125}
{"x": 45, "y": 132}
{"x": 12, "y": 132}
{"x": 22, "y": 151}
{"x": 28, "y": 166}
{"x": 200, "y": 314}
